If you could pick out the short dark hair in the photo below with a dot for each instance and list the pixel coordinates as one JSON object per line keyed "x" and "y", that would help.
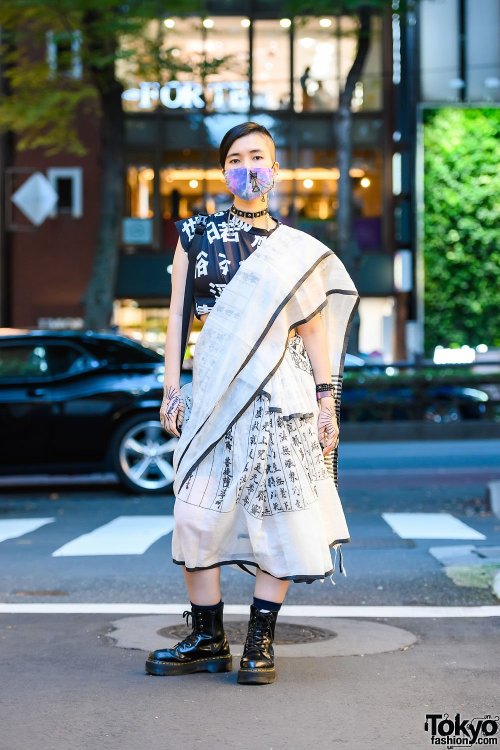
{"x": 232, "y": 135}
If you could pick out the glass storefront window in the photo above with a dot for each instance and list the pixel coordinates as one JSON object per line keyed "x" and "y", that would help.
{"x": 185, "y": 191}
{"x": 178, "y": 119}
{"x": 377, "y": 321}
{"x": 147, "y": 323}
{"x": 139, "y": 193}
{"x": 305, "y": 194}
{"x": 271, "y": 65}
{"x": 137, "y": 224}
{"x": 324, "y": 50}
{"x": 144, "y": 324}
{"x": 224, "y": 64}
{"x": 316, "y": 60}
{"x": 312, "y": 187}
{"x": 200, "y": 66}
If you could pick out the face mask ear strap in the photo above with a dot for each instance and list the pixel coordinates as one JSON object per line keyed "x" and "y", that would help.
{"x": 274, "y": 176}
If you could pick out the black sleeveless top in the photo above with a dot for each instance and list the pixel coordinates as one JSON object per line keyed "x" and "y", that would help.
{"x": 221, "y": 251}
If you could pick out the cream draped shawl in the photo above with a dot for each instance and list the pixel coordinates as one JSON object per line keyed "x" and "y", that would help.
{"x": 285, "y": 282}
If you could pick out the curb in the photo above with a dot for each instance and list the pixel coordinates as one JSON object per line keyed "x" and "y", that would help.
{"x": 496, "y": 585}
{"x": 493, "y": 497}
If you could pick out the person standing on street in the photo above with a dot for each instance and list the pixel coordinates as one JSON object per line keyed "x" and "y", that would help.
{"x": 256, "y": 460}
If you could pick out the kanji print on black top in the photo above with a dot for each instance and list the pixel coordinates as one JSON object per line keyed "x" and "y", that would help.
{"x": 223, "y": 247}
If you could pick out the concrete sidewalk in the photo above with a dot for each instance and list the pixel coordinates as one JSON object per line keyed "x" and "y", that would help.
{"x": 67, "y": 685}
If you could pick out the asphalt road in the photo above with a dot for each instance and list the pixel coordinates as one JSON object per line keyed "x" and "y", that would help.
{"x": 383, "y": 567}
{"x": 76, "y": 681}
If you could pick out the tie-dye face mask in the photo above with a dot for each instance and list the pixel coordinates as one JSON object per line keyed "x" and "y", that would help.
{"x": 249, "y": 183}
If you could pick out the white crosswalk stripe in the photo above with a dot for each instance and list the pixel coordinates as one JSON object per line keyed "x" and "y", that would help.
{"x": 11, "y": 528}
{"x": 133, "y": 535}
{"x": 430, "y": 526}
{"x": 125, "y": 535}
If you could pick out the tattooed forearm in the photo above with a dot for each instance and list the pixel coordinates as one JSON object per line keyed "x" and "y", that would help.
{"x": 328, "y": 430}
{"x": 172, "y": 410}
{"x": 173, "y": 405}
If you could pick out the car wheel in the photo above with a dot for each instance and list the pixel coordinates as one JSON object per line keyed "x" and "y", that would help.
{"x": 141, "y": 455}
{"x": 442, "y": 413}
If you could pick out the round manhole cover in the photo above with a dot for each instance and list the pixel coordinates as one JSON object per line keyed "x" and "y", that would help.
{"x": 236, "y": 631}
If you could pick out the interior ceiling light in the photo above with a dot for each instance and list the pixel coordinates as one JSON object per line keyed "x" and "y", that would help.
{"x": 285, "y": 23}
{"x": 245, "y": 22}
{"x": 208, "y": 23}
{"x": 169, "y": 23}
{"x": 325, "y": 23}
{"x": 315, "y": 173}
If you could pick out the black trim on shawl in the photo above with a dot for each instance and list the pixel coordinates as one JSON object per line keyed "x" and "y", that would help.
{"x": 261, "y": 338}
{"x": 269, "y": 376}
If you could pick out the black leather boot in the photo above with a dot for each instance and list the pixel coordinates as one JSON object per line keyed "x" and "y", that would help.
{"x": 205, "y": 649}
{"x": 257, "y": 662}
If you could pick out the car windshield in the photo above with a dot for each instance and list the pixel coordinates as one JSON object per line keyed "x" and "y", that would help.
{"x": 123, "y": 351}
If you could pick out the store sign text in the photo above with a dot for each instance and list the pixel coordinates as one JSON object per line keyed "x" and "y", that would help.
{"x": 221, "y": 97}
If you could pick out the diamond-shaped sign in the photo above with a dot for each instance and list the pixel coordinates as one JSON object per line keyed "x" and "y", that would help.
{"x": 36, "y": 198}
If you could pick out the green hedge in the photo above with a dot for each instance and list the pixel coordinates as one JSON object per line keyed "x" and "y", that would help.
{"x": 462, "y": 227}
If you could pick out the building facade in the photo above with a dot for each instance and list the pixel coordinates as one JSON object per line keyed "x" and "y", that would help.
{"x": 286, "y": 73}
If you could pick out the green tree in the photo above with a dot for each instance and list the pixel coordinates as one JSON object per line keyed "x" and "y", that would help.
{"x": 42, "y": 106}
{"x": 461, "y": 227}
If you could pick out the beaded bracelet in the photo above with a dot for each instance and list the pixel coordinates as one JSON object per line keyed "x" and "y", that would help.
{"x": 324, "y": 387}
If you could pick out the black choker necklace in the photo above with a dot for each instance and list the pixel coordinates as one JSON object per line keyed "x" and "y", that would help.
{"x": 248, "y": 214}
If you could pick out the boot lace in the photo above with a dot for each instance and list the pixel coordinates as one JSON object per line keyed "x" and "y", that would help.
{"x": 259, "y": 635}
{"x": 197, "y": 625}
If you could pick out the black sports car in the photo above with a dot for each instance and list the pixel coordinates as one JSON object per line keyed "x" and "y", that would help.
{"x": 76, "y": 402}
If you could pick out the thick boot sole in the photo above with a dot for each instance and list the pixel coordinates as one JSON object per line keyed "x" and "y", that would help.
{"x": 213, "y": 664}
{"x": 256, "y": 676}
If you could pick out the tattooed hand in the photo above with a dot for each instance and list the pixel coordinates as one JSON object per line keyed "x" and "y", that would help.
{"x": 172, "y": 410}
{"x": 328, "y": 429}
